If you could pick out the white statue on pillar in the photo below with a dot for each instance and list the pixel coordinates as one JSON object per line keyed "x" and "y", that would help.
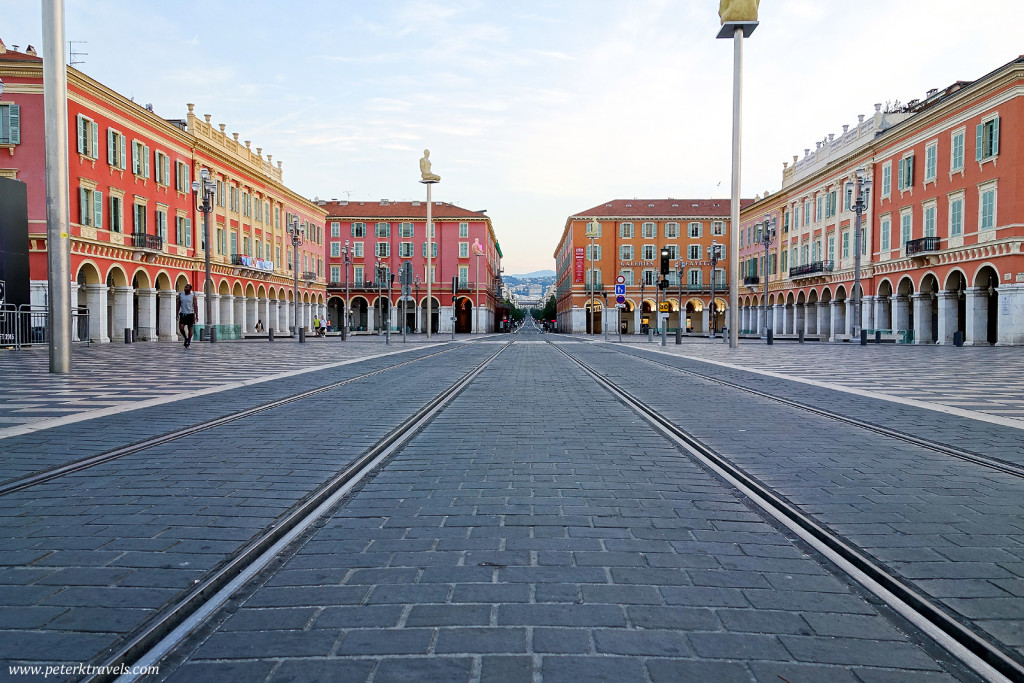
{"x": 425, "y": 169}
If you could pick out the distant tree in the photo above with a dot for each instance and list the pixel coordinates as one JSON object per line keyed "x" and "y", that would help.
{"x": 550, "y": 309}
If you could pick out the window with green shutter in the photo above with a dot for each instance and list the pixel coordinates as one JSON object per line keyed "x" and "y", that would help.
{"x": 956, "y": 161}
{"x": 987, "y": 139}
{"x": 97, "y": 209}
{"x": 10, "y": 124}
{"x": 956, "y": 217}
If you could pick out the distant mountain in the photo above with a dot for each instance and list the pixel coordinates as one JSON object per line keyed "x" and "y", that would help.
{"x": 535, "y": 274}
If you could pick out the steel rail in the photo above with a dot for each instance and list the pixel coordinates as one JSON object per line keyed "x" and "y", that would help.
{"x": 981, "y": 656}
{"x": 945, "y": 449}
{"x": 40, "y": 476}
{"x": 173, "y": 623}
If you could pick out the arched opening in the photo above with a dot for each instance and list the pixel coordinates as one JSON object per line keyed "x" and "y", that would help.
{"x": 407, "y": 308}
{"x": 904, "y": 313}
{"x": 695, "y": 316}
{"x": 953, "y": 308}
{"x": 463, "y": 315}
{"x": 647, "y": 321}
{"x": 435, "y": 313}
{"x": 360, "y": 314}
{"x": 811, "y": 312}
{"x": 883, "y": 306}
{"x": 717, "y": 315}
{"x": 89, "y": 326}
{"x": 594, "y": 322}
{"x": 987, "y": 300}
{"x": 627, "y": 322}
{"x": 336, "y": 311}
{"x": 927, "y": 331}
{"x": 381, "y": 313}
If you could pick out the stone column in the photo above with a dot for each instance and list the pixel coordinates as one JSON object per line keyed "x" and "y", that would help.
{"x": 780, "y": 318}
{"x": 214, "y": 310}
{"x": 122, "y": 310}
{"x": 147, "y": 315}
{"x": 250, "y": 314}
{"x": 239, "y": 313}
{"x": 947, "y": 316}
{"x": 883, "y": 312}
{"x": 824, "y": 315}
{"x": 263, "y": 312}
{"x": 227, "y": 309}
{"x": 848, "y": 318}
{"x": 901, "y": 313}
{"x": 636, "y": 318}
{"x": 371, "y": 318}
{"x": 705, "y": 320}
{"x": 200, "y": 308}
{"x": 168, "y": 315}
{"x": 867, "y": 309}
{"x": 1011, "y": 315}
{"x": 835, "y": 320}
{"x": 800, "y": 319}
{"x": 923, "y": 318}
{"x": 96, "y": 300}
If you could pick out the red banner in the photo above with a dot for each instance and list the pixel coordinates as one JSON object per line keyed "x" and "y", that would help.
{"x": 580, "y": 268}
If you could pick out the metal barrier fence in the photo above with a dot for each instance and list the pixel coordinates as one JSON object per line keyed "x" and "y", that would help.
{"x": 224, "y": 332}
{"x": 27, "y": 325}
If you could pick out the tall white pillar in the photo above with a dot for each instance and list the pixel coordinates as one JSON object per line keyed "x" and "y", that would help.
{"x": 835, "y": 320}
{"x": 250, "y": 314}
{"x": 200, "y": 307}
{"x": 1010, "y": 318}
{"x": 147, "y": 315}
{"x": 227, "y": 309}
{"x": 123, "y": 298}
{"x": 947, "y": 316}
{"x": 901, "y": 313}
{"x": 868, "y": 312}
{"x": 168, "y": 323}
{"x": 96, "y": 300}
{"x": 239, "y": 313}
{"x": 263, "y": 312}
{"x": 883, "y": 312}
{"x": 922, "y": 318}
{"x": 824, "y": 316}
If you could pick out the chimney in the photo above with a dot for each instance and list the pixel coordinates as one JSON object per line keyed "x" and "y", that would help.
{"x": 31, "y": 51}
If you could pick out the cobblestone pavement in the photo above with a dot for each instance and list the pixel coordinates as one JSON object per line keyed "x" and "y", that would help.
{"x": 538, "y": 530}
{"x": 86, "y": 558}
{"x": 115, "y": 376}
{"x": 973, "y": 378}
{"x": 955, "y": 529}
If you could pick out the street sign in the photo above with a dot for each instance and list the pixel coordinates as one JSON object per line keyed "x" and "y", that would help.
{"x": 406, "y": 290}
{"x": 620, "y": 305}
{"x": 620, "y": 280}
{"x": 620, "y": 300}
{"x": 664, "y": 307}
{"x": 405, "y": 273}
{"x": 620, "y": 289}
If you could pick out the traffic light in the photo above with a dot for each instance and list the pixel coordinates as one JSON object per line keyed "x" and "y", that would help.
{"x": 664, "y": 261}
{"x": 455, "y": 284}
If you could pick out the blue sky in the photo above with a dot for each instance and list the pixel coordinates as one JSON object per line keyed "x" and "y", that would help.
{"x": 532, "y": 110}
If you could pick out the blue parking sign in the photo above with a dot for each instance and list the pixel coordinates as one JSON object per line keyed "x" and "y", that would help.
{"x": 620, "y": 289}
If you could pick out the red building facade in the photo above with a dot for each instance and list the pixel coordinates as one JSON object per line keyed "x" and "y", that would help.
{"x": 392, "y": 236}
{"x": 136, "y": 233}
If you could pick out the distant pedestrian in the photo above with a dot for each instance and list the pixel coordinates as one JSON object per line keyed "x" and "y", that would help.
{"x": 316, "y": 326}
{"x": 259, "y": 325}
{"x": 187, "y": 316}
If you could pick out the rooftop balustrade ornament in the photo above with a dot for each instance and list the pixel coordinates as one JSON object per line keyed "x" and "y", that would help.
{"x": 738, "y": 10}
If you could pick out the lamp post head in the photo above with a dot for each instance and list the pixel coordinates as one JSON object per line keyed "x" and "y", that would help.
{"x": 195, "y": 186}
{"x": 205, "y": 174}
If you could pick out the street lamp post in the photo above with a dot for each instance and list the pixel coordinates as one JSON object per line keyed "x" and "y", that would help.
{"x": 207, "y": 188}
{"x": 682, "y": 319}
{"x": 591, "y": 233}
{"x": 767, "y": 237}
{"x": 859, "y": 190}
{"x": 643, "y": 282}
{"x": 348, "y": 303}
{"x": 416, "y": 285}
{"x": 295, "y": 231}
{"x": 714, "y": 262}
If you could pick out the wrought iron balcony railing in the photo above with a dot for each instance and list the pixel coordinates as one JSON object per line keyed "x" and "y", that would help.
{"x": 308, "y": 275}
{"x": 815, "y": 268}
{"x": 922, "y": 245}
{"x": 752, "y": 280}
{"x": 144, "y": 241}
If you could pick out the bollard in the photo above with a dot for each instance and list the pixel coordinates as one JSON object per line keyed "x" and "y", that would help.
{"x": 801, "y": 337}
{"x": 958, "y": 338}
{"x": 344, "y": 333}
{"x": 878, "y": 336}
{"x": 679, "y": 335}
{"x": 664, "y": 333}
{"x": 302, "y": 335}
{"x": 270, "y": 334}
{"x": 127, "y": 335}
{"x": 213, "y": 333}
{"x": 771, "y": 337}
{"x": 650, "y": 335}
{"x": 863, "y": 337}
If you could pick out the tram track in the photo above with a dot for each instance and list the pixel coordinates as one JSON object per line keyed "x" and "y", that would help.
{"x": 176, "y": 621}
{"x": 983, "y": 657}
{"x": 35, "y": 478}
{"x": 939, "y": 447}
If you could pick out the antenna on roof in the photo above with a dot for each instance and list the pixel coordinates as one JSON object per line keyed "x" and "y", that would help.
{"x": 73, "y": 56}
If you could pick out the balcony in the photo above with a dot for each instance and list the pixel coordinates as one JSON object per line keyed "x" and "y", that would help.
{"x": 923, "y": 245}
{"x": 308, "y": 275}
{"x": 815, "y": 269}
{"x": 752, "y": 280}
{"x": 150, "y": 242}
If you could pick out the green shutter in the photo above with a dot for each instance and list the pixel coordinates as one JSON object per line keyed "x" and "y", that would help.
{"x": 994, "y": 143}
{"x": 979, "y": 143}
{"x": 145, "y": 160}
{"x": 110, "y": 147}
{"x": 94, "y": 137}
{"x": 97, "y": 208}
{"x": 15, "y": 123}
{"x": 83, "y": 213}
{"x": 135, "y": 158}
{"x": 78, "y": 133}
{"x": 121, "y": 150}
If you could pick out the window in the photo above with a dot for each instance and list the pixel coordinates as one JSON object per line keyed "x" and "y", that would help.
{"x": 335, "y": 229}
{"x": 90, "y": 205}
{"x": 673, "y": 251}
{"x": 116, "y": 214}
{"x": 463, "y": 277}
{"x": 245, "y": 246}
{"x": 626, "y": 231}
{"x": 181, "y": 174}
{"x": 906, "y": 173}
{"x": 138, "y": 219}
{"x": 647, "y": 277}
{"x": 830, "y": 204}
{"x": 161, "y": 223}
{"x": 815, "y": 251}
{"x": 433, "y": 250}
{"x": 116, "y": 149}
{"x": 886, "y": 236}
{"x": 695, "y": 229}
{"x": 463, "y": 230}
{"x": 233, "y": 237}
{"x": 929, "y": 220}
{"x": 357, "y": 273}
{"x": 222, "y": 244}
{"x": 831, "y": 248}
{"x": 956, "y": 216}
{"x": 383, "y": 249}
{"x": 277, "y": 255}
{"x": 259, "y": 210}
{"x": 88, "y": 137}
{"x": 987, "y": 208}
{"x": 672, "y": 231}
{"x": 718, "y": 227}
{"x": 648, "y": 252}
{"x": 277, "y": 217}
{"x": 406, "y": 230}
{"x": 335, "y": 249}
{"x": 10, "y": 124}
{"x": 956, "y": 151}
{"x": 694, "y": 253}
{"x": 627, "y": 274}
{"x": 931, "y": 161}
{"x": 464, "y": 249}
{"x": 405, "y": 249}
{"x": 785, "y": 259}
{"x": 649, "y": 230}
{"x": 805, "y": 254}
{"x": 359, "y": 229}
{"x": 626, "y": 252}
{"x": 595, "y": 225}
{"x": 382, "y": 230}
{"x": 695, "y": 276}
{"x": 987, "y": 139}
{"x": 183, "y": 231}
{"x": 357, "y": 250}
{"x": 233, "y": 199}
{"x": 819, "y": 205}
{"x": 163, "y": 168}
{"x": 906, "y": 227}
{"x": 596, "y": 252}
{"x": 335, "y": 273}
{"x": 807, "y": 212}
{"x": 887, "y": 179}
{"x": 140, "y": 159}
{"x": 246, "y": 204}
{"x": 846, "y": 244}
{"x": 220, "y": 193}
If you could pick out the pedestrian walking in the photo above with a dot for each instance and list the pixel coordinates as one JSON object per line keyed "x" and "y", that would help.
{"x": 187, "y": 316}
{"x": 316, "y": 326}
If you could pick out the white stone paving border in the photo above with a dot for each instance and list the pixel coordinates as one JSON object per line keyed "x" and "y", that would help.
{"x": 50, "y": 423}
{"x": 1013, "y": 423}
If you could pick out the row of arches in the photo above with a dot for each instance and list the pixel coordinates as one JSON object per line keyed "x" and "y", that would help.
{"x": 930, "y": 310}
{"x": 697, "y": 316}
{"x": 371, "y": 313}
